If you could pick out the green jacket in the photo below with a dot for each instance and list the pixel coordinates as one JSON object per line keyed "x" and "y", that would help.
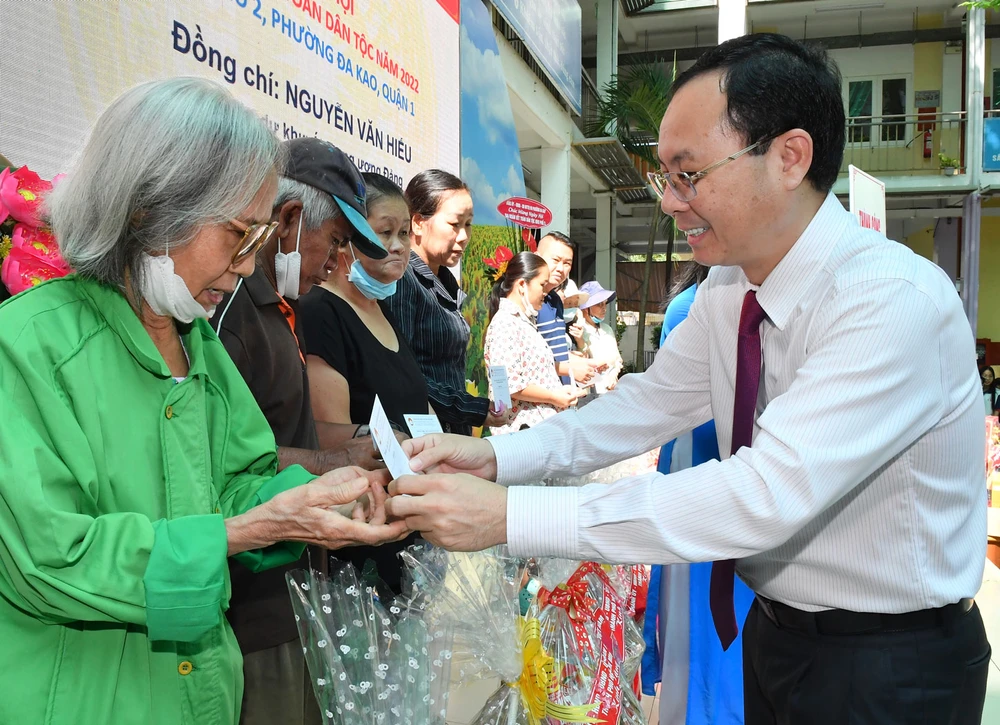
{"x": 114, "y": 483}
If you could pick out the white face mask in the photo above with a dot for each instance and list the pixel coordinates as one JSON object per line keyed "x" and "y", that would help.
{"x": 166, "y": 293}
{"x": 288, "y": 267}
{"x": 569, "y": 314}
{"x": 529, "y": 309}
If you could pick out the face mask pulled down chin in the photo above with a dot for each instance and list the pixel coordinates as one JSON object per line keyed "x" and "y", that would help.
{"x": 288, "y": 267}
{"x": 166, "y": 293}
{"x": 529, "y": 309}
{"x": 367, "y": 285}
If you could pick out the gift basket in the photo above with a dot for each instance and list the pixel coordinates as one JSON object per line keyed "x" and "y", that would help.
{"x": 477, "y": 597}
{"x": 586, "y": 624}
{"x": 559, "y": 635}
{"x": 371, "y": 662}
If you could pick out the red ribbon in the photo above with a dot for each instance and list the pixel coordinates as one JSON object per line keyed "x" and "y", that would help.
{"x": 572, "y": 596}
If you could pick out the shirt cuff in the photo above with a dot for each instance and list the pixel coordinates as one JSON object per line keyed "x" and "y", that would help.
{"x": 185, "y": 579}
{"x": 542, "y": 521}
{"x": 284, "y": 552}
{"x": 520, "y": 457}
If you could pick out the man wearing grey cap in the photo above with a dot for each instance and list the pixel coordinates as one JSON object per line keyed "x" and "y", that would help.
{"x": 320, "y": 205}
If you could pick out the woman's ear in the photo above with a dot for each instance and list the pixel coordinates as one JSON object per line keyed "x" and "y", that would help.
{"x": 417, "y": 224}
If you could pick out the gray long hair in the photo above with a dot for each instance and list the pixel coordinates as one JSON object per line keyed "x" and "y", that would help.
{"x": 317, "y": 206}
{"x": 165, "y": 159}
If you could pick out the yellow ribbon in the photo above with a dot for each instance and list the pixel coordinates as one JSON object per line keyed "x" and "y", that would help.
{"x": 538, "y": 683}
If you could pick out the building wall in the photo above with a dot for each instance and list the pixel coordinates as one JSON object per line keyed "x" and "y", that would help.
{"x": 989, "y": 279}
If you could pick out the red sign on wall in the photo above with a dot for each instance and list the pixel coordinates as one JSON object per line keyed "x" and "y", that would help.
{"x": 524, "y": 212}
{"x": 450, "y": 7}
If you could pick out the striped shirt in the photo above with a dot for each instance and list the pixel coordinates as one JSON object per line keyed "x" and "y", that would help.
{"x": 864, "y": 488}
{"x": 427, "y": 308}
{"x": 552, "y": 327}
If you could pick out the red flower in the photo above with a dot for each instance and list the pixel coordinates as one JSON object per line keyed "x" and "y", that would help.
{"x": 499, "y": 262}
{"x": 502, "y": 255}
{"x": 4, "y": 173}
{"x": 529, "y": 240}
{"x": 21, "y": 195}
{"x": 34, "y": 258}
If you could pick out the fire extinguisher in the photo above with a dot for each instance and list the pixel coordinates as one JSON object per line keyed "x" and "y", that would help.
{"x": 928, "y": 144}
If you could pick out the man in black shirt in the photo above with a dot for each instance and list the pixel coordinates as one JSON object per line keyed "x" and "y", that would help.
{"x": 320, "y": 205}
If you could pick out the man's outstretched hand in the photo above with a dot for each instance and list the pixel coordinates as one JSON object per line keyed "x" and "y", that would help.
{"x": 458, "y": 512}
{"x": 445, "y": 453}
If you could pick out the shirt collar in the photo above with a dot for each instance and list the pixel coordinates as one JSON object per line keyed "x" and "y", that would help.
{"x": 259, "y": 287}
{"x": 124, "y": 322}
{"x": 510, "y": 307}
{"x": 788, "y": 282}
{"x": 444, "y": 283}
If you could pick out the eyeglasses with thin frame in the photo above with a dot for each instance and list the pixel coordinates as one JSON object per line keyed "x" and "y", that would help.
{"x": 682, "y": 184}
{"x": 255, "y": 236}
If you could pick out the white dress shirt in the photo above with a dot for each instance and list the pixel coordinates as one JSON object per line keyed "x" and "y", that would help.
{"x": 864, "y": 488}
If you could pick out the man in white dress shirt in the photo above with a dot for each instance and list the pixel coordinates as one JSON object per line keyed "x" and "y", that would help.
{"x": 857, "y": 513}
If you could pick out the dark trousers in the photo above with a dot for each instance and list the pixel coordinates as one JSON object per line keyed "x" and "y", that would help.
{"x": 934, "y": 676}
{"x": 277, "y": 688}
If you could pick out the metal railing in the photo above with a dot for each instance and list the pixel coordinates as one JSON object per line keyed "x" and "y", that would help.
{"x": 907, "y": 144}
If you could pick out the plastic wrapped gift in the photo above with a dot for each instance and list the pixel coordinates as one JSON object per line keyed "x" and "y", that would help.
{"x": 476, "y": 596}
{"x": 586, "y": 624}
{"x": 370, "y": 664}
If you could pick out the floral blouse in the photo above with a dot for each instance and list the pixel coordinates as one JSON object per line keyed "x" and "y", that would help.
{"x": 512, "y": 340}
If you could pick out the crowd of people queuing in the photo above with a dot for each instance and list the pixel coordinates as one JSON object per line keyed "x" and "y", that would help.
{"x": 237, "y": 305}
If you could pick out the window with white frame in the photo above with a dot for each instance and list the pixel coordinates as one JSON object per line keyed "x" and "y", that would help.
{"x": 879, "y": 102}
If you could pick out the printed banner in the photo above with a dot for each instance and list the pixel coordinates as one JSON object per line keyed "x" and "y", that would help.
{"x": 552, "y": 30}
{"x": 378, "y": 79}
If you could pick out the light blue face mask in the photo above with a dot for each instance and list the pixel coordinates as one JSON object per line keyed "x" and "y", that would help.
{"x": 368, "y": 285}
{"x": 597, "y": 319}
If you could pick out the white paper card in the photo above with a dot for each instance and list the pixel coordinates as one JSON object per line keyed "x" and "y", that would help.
{"x": 385, "y": 440}
{"x": 498, "y": 383}
{"x": 422, "y": 424}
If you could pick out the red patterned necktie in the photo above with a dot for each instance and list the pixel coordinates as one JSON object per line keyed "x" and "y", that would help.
{"x": 748, "y": 360}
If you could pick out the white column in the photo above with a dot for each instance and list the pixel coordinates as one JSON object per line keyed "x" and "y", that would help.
{"x": 555, "y": 186}
{"x": 605, "y": 262}
{"x": 975, "y": 82}
{"x": 607, "y": 42}
{"x": 732, "y": 19}
{"x": 971, "y": 214}
{"x": 607, "y": 69}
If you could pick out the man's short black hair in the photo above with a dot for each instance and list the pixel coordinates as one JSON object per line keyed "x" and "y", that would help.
{"x": 774, "y": 84}
{"x": 562, "y": 238}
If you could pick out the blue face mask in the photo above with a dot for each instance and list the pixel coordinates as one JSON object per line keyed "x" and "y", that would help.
{"x": 368, "y": 285}
{"x": 597, "y": 319}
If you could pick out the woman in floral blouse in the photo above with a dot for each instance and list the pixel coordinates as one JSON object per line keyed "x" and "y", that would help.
{"x": 512, "y": 340}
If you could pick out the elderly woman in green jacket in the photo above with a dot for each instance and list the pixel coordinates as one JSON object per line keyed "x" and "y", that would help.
{"x": 133, "y": 458}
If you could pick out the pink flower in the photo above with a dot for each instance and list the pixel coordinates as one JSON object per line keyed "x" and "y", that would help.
{"x": 3, "y": 209}
{"x": 39, "y": 243}
{"x": 34, "y": 258}
{"x": 21, "y": 270}
{"x": 21, "y": 194}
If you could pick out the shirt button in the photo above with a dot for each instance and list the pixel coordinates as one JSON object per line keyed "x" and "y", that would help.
{"x": 184, "y": 668}
{"x": 169, "y": 412}
{"x": 217, "y": 510}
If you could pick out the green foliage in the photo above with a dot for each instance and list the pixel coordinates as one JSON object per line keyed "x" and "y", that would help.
{"x": 984, "y": 4}
{"x": 631, "y": 107}
{"x": 477, "y": 284}
{"x": 620, "y": 328}
{"x": 947, "y": 161}
{"x": 654, "y": 335}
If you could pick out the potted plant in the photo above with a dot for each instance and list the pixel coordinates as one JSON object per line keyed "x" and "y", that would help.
{"x": 949, "y": 166}
{"x": 631, "y": 107}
